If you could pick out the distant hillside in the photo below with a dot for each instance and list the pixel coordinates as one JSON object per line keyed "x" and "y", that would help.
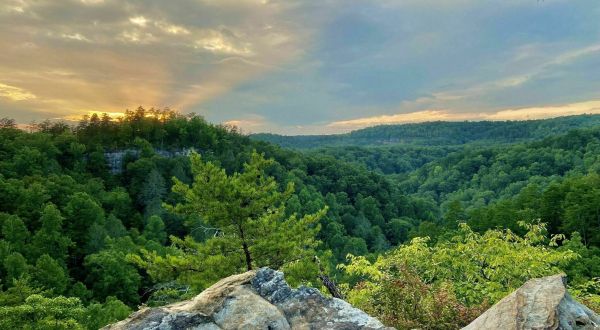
{"x": 440, "y": 133}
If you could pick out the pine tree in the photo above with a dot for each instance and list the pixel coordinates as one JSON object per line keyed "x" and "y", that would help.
{"x": 244, "y": 215}
{"x": 247, "y": 209}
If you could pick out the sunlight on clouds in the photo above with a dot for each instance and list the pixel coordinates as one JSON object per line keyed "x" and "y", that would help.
{"x": 218, "y": 44}
{"x": 245, "y": 123}
{"x": 91, "y": 2}
{"x": 137, "y": 37}
{"x": 248, "y": 125}
{"x": 200, "y": 51}
{"x": 15, "y": 93}
{"x": 528, "y": 113}
{"x": 138, "y": 20}
{"x": 75, "y": 36}
{"x": 411, "y": 117}
{"x": 14, "y": 6}
{"x": 80, "y": 114}
{"x": 172, "y": 28}
{"x": 589, "y": 107}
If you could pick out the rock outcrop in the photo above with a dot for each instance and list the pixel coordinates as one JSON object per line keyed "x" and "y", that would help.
{"x": 541, "y": 303}
{"x": 253, "y": 300}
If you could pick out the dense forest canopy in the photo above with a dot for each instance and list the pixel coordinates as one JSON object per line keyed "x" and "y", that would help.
{"x": 155, "y": 206}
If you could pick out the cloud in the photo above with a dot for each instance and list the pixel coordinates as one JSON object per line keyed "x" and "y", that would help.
{"x": 121, "y": 54}
{"x": 172, "y": 28}
{"x": 138, "y": 20}
{"x": 525, "y": 113}
{"x": 298, "y": 65}
{"x": 217, "y": 42}
{"x": 248, "y": 125}
{"x": 15, "y": 93}
{"x": 75, "y": 36}
{"x": 588, "y": 107}
{"x": 411, "y": 117}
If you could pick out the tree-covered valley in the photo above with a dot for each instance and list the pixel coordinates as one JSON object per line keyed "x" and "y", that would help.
{"x": 421, "y": 225}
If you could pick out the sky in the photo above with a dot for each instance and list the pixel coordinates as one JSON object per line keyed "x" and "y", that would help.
{"x": 301, "y": 66}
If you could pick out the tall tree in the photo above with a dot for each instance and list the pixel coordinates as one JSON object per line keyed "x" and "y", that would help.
{"x": 248, "y": 210}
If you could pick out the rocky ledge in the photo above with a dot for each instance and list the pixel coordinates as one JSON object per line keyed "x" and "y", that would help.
{"x": 541, "y": 303}
{"x": 254, "y": 300}
{"x": 263, "y": 300}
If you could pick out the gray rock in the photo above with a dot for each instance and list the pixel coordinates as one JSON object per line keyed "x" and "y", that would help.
{"x": 541, "y": 303}
{"x": 114, "y": 159}
{"x": 254, "y": 300}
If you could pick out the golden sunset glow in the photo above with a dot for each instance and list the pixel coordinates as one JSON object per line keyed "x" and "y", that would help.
{"x": 296, "y": 67}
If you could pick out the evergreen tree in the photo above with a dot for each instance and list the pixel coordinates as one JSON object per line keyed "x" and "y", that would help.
{"x": 247, "y": 210}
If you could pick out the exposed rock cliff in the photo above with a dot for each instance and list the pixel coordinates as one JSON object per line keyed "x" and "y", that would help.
{"x": 253, "y": 300}
{"x": 541, "y": 303}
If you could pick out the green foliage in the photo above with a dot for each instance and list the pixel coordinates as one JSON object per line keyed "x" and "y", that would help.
{"x": 99, "y": 315}
{"x": 470, "y": 270}
{"x": 245, "y": 213}
{"x": 38, "y": 312}
{"x": 15, "y": 232}
{"x": 402, "y": 299}
{"x": 15, "y": 266}
{"x": 50, "y": 275}
{"x": 81, "y": 207}
{"x": 50, "y": 238}
{"x": 155, "y": 230}
{"x": 109, "y": 274}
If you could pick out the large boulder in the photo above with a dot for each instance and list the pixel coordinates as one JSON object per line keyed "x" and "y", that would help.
{"x": 541, "y": 303}
{"x": 253, "y": 300}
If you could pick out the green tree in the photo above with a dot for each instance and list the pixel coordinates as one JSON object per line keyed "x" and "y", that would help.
{"x": 49, "y": 274}
{"x": 454, "y": 215}
{"x": 152, "y": 193}
{"x": 109, "y": 274}
{"x": 81, "y": 212}
{"x": 50, "y": 238}
{"x": 99, "y": 315}
{"x": 245, "y": 216}
{"x": 155, "y": 230}
{"x": 247, "y": 210}
{"x": 15, "y": 266}
{"x": 15, "y": 232}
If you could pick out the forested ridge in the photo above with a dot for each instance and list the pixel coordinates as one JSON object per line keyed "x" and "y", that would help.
{"x": 421, "y": 234}
{"x": 439, "y": 133}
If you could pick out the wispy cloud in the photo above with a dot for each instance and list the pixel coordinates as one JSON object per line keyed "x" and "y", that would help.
{"x": 15, "y": 93}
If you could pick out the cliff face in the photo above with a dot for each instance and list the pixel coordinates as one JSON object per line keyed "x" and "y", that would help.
{"x": 253, "y": 300}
